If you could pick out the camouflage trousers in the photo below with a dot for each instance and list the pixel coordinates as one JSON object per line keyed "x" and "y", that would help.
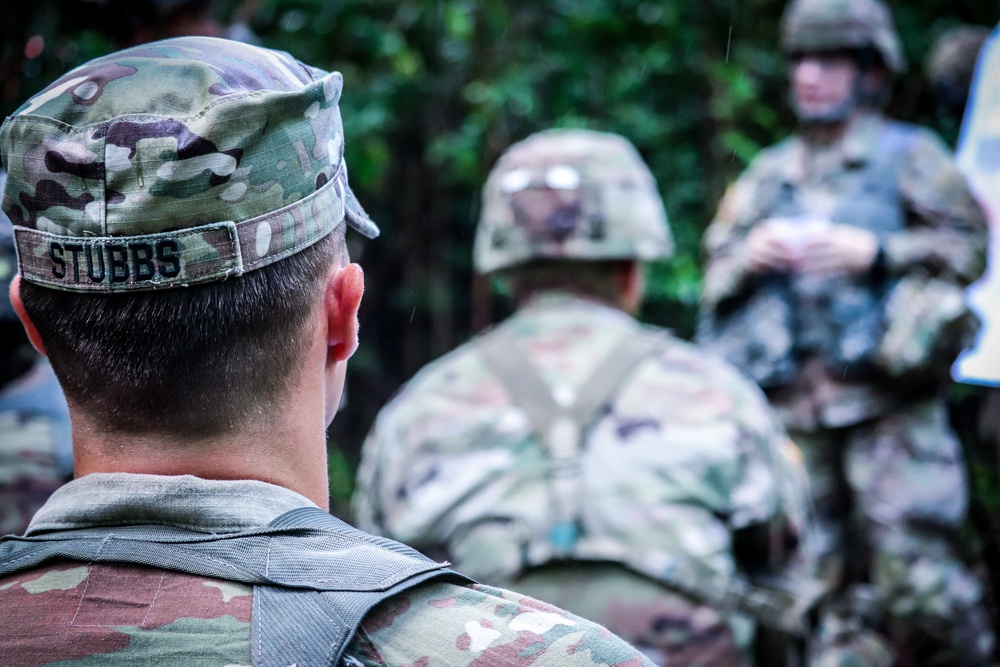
{"x": 890, "y": 495}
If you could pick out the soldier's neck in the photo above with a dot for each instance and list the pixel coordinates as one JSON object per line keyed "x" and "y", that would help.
{"x": 826, "y": 133}
{"x": 287, "y": 449}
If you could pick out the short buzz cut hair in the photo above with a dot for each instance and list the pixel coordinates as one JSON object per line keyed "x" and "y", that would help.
{"x": 594, "y": 279}
{"x": 194, "y": 362}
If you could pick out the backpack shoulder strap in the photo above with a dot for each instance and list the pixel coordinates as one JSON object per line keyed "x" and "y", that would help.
{"x": 314, "y": 577}
{"x": 561, "y": 427}
{"x": 520, "y": 378}
{"x": 606, "y": 380}
{"x": 530, "y": 392}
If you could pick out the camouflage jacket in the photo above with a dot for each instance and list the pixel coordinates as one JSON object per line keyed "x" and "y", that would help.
{"x": 70, "y": 613}
{"x": 898, "y": 181}
{"x": 36, "y": 456}
{"x": 685, "y": 454}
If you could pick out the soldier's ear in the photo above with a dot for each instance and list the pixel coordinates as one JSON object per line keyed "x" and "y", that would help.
{"x": 342, "y": 299}
{"x": 22, "y": 314}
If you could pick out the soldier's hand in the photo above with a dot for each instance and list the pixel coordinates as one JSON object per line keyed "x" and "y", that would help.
{"x": 840, "y": 249}
{"x": 767, "y": 249}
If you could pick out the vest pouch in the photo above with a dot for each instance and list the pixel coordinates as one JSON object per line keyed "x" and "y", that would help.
{"x": 856, "y": 325}
{"x": 755, "y": 334}
{"x": 927, "y": 325}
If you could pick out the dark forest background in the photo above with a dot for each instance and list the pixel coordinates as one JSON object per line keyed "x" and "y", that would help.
{"x": 436, "y": 89}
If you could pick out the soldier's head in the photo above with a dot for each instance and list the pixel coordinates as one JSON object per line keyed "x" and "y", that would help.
{"x": 572, "y": 209}
{"x": 179, "y": 213}
{"x": 840, "y": 55}
{"x": 951, "y": 64}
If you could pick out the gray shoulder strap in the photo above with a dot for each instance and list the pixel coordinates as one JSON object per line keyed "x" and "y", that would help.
{"x": 529, "y": 391}
{"x": 314, "y": 577}
{"x": 560, "y": 428}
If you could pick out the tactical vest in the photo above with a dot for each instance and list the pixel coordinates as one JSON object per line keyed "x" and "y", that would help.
{"x": 561, "y": 535}
{"x": 784, "y": 318}
{"x": 314, "y": 577}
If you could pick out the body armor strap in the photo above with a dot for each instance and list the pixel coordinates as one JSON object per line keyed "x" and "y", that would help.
{"x": 314, "y": 577}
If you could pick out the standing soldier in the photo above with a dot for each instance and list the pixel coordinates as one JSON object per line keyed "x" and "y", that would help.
{"x": 836, "y": 268}
{"x": 180, "y": 214}
{"x": 574, "y": 453}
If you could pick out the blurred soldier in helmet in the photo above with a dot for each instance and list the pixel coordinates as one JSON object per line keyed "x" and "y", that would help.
{"x": 951, "y": 63}
{"x": 835, "y": 276}
{"x": 36, "y": 455}
{"x": 574, "y": 453}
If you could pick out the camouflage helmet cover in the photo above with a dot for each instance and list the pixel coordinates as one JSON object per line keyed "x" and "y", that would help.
{"x": 570, "y": 194}
{"x": 823, "y": 25}
{"x": 952, "y": 58}
{"x": 183, "y": 161}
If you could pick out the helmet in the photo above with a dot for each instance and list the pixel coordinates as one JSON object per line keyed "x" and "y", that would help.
{"x": 570, "y": 194}
{"x": 185, "y": 161}
{"x": 826, "y": 25}
{"x": 952, "y": 62}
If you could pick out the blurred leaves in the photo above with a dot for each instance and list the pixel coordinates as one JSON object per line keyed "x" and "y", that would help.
{"x": 436, "y": 89}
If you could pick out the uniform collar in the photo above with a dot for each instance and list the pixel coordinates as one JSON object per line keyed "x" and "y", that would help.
{"x": 185, "y": 501}
{"x": 855, "y": 146}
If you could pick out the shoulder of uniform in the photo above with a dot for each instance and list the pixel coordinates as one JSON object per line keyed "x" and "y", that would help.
{"x": 440, "y": 390}
{"x": 439, "y": 372}
{"x": 775, "y": 155}
{"x": 460, "y": 625}
{"x": 918, "y": 138}
{"x": 706, "y": 363}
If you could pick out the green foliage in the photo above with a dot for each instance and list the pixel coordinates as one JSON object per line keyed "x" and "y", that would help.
{"x": 436, "y": 89}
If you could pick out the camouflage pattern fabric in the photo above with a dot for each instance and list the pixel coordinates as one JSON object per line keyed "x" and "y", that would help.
{"x": 892, "y": 494}
{"x": 879, "y": 441}
{"x": 830, "y": 25}
{"x": 686, "y": 454}
{"x": 572, "y": 193}
{"x": 117, "y": 614}
{"x": 8, "y": 260}
{"x": 35, "y": 449}
{"x": 151, "y": 167}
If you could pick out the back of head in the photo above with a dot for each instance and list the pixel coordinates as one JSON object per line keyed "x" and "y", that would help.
{"x": 842, "y": 25}
{"x": 173, "y": 207}
{"x": 575, "y": 195}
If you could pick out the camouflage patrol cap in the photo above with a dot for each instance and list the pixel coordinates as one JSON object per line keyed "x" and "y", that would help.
{"x": 183, "y": 161}
{"x": 570, "y": 194}
{"x": 826, "y": 25}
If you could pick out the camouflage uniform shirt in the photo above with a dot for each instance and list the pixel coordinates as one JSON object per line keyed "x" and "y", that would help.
{"x": 70, "y": 613}
{"x": 943, "y": 235}
{"x": 887, "y": 478}
{"x": 686, "y": 454}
